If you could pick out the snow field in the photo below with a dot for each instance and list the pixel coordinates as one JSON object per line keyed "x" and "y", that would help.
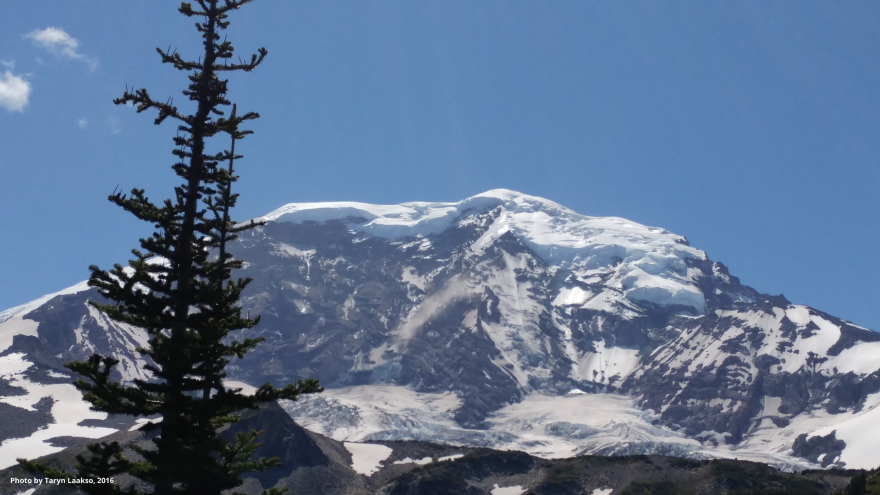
{"x": 862, "y": 358}
{"x": 67, "y": 412}
{"x": 607, "y": 363}
{"x": 860, "y": 432}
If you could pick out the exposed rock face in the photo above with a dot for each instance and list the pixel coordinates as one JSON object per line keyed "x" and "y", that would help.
{"x": 19, "y": 423}
{"x": 825, "y": 450}
{"x": 718, "y": 373}
{"x": 504, "y": 295}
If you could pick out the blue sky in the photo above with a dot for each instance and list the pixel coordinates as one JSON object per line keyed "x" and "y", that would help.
{"x": 753, "y": 128}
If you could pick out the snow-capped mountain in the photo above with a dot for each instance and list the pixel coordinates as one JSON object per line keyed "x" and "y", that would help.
{"x": 509, "y": 321}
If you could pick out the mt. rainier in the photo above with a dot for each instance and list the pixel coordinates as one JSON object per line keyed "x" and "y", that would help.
{"x": 502, "y": 320}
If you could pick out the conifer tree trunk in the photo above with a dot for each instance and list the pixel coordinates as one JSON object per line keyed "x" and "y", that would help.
{"x": 180, "y": 289}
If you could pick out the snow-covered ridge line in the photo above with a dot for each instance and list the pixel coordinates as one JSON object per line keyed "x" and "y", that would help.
{"x": 23, "y": 308}
{"x": 425, "y": 218}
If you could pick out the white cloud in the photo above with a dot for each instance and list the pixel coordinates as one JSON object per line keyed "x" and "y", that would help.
{"x": 9, "y": 64}
{"x": 14, "y": 92}
{"x": 82, "y": 123}
{"x": 57, "y": 41}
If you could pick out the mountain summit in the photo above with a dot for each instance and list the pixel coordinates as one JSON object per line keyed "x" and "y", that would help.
{"x": 509, "y": 321}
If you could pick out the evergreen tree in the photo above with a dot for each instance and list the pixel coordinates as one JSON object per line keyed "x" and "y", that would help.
{"x": 179, "y": 288}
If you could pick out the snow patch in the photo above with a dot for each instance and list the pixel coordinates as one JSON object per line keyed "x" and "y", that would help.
{"x": 507, "y": 490}
{"x": 862, "y": 358}
{"x": 450, "y": 457}
{"x": 410, "y": 276}
{"x": 246, "y": 389}
{"x": 420, "y": 462}
{"x": 571, "y": 297}
{"x": 138, "y": 423}
{"x": 664, "y": 291}
{"x": 607, "y": 365}
{"x": 366, "y": 458}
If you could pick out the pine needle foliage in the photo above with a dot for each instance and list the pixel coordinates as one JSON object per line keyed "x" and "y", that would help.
{"x": 179, "y": 288}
